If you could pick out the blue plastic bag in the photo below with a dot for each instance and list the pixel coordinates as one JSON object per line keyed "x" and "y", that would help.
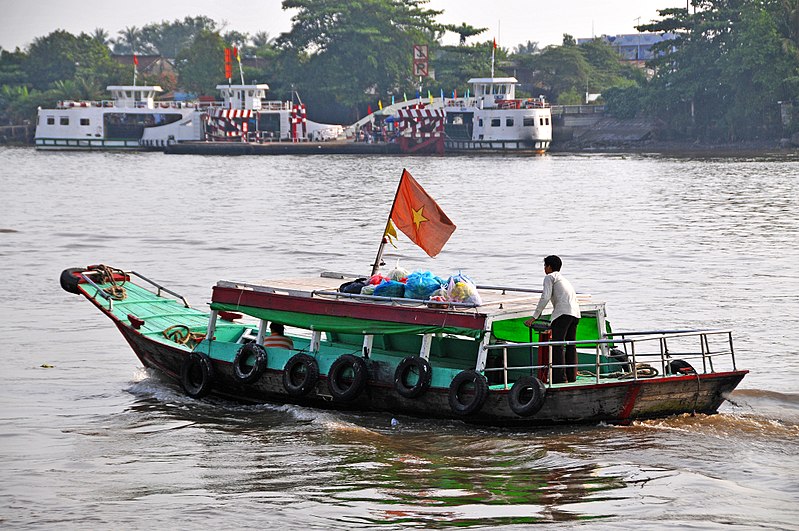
{"x": 421, "y": 285}
{"x": 392, "y": 288}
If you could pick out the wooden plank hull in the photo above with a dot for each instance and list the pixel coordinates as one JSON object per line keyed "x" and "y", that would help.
{"x": 614, "y": 402}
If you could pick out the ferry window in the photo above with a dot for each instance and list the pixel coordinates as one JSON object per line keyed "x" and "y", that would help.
{"x": 64, "y": 120}
{"x": 495, "y": 122}
{"x": 51, "y": 120}
{"x": 480, "y": 122}
{"x": 84, "y": 121}
{"x": 529, "y": 122}
{"x": 541, "y": 120}
{"x": 509, "y": 122}
{"x": 547, "y": 119}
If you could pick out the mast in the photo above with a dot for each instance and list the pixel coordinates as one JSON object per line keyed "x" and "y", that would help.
{"x": 384, "y": 238}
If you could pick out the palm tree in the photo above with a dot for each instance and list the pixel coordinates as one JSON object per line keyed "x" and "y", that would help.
{"x": 128, "y": 41}
{"x": 465, "y": 30}
{"x": 101, "y": 36}
{"x": 261, "y": 39}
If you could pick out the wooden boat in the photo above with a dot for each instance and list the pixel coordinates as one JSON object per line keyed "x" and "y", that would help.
{"x": 432, "y": 359}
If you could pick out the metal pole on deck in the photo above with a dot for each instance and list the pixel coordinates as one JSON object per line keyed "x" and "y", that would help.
{"x": 384, "y": 236}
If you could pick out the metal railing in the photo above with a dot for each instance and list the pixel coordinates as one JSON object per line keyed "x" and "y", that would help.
{"x": 633, "y": 348}
{"x": 85, "y": 275}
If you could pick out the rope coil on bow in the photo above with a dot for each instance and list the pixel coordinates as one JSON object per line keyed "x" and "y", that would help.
{"x": 182, "y": 335}
{"x": 115, "y": 290}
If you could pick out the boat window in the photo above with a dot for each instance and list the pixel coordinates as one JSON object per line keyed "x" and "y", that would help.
{"x": 64, "y": 120}
{"x": 547, "y": 119}
{"x": 480, "y": 122}
{"x": 541, "y": 120}
{"x": 509, "y": 122}
{"x": 51, "y": 120}
{"x": 529, "y": 122}
{"x": 84, "y": 121}
{"x": 495, "y": 122}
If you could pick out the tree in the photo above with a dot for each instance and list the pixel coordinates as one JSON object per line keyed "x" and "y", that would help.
{"x": 561, "y": 69}
{"x": 352, "y": 52}
{"x": 464, "y": 31}
{"x": 731, "y": 62}
{"x": 63, "y": 56}
{"x": 12, "y": 67}
{"x": 130, "y": 41}
{"x": 529, "y": 48}
{"x": 167, "y": 39}
{"x": 455, "y": 65}
{"x": 101, "y": 36}
{"x": 201, "y": 66}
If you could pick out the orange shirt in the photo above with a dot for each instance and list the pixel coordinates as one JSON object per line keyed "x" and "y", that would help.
{"x": 278, "y": 341}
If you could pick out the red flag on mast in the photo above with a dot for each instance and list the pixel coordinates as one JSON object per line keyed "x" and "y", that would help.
{"x": 228, "y": 64}
{"x": 135, "y": 60}
{"x": 417, "y": 215}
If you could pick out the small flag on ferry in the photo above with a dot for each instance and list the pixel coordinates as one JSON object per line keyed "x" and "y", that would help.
{"x": 135, "y": 60}
{"x": 419, "y": 217}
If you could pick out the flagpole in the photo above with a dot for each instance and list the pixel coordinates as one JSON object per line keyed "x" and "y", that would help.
{"x": 383, "y": 241}
{"x": 493, "y": 50}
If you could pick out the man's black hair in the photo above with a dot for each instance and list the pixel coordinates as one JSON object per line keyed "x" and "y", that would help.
{"x": 277, "y": 327}
{"x": 554, "y": 262}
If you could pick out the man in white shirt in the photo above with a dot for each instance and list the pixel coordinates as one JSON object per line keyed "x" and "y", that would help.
{"x": 565, "y": 316}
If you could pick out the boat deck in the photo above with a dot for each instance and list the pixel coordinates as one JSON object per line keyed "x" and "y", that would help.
{"x": 496, "y": 300}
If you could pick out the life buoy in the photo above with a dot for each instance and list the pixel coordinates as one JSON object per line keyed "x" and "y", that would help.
{"x": 467, "y": 392}
{"x": 408, "y": 366}
{"x": 300, "y": 375}
{"x": 197, "y": 375}
{"x": 242, "y": 371}
{"x": 69, "y": 282}
{"x": 347, "y": 377}
{"x": 527, "y": 396}
{"x": 680, "y": 368}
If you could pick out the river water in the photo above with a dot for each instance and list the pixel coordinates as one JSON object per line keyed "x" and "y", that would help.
{"x": 90, "y": 439}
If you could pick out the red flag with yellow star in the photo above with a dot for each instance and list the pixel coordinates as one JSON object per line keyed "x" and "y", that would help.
{"x": 417, "y": 215}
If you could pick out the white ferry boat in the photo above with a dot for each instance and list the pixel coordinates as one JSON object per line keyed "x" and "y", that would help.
{"x": 493, "y": 119}
{"x": 119, "y": 123}
{"x": 134, "y": 120}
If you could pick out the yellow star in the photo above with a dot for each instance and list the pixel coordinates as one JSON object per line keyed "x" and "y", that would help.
{"x": 418, "y": 217}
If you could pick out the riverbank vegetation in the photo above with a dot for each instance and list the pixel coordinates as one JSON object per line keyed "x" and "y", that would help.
{"x": 731, "y": 72}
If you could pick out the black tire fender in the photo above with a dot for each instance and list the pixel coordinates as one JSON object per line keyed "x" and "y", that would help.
{"x": 680, "y": 368}
{"x": 422, "y": 367}
{"x": 458, "y": 390}
{"x": 527, "y": 396}
{"x": 197, "y": 375}
{"x": 341, "y": 386}
{"x": 244, "y": 373}
{"x": 69, "y": 282}
{"x": 300, "y": 375}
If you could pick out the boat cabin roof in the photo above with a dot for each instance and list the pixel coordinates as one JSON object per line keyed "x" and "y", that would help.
{"x": 493, "y": 80}
{"x": 316, "y": 304}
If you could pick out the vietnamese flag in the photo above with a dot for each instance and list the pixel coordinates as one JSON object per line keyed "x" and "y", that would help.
{"x": 135, "y": 60}
{"x": 417, "y": 215}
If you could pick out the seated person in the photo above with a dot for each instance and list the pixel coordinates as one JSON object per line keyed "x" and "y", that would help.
{"x": 277, "y": 339}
